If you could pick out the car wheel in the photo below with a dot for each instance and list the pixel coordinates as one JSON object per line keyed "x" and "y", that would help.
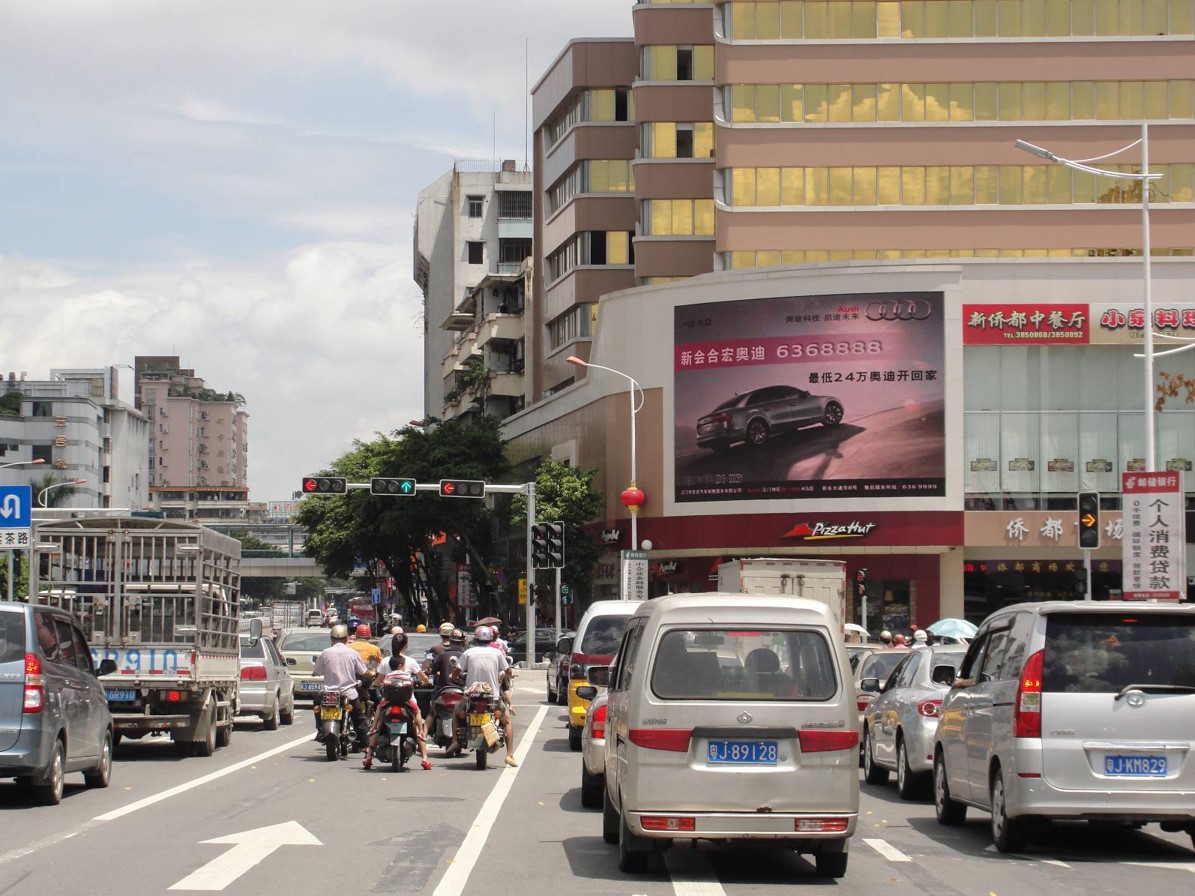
{"x": 833, "y": 414}
{"x": 949, "y": 811}
{"x": 591, "y": 788}
{"x": 101, "y": 775}
{"x": 873, "y": 773}
{"x": 757, "y": 433}
{"x": 610, "y": 819}
{"x": 287, "y": 714}
{"x": 831, "y": 864}
{"x": 630, "y": 861}
{"x": 50, "y": 792}
{"x": 270, "y": 722}
{"x": 1008, "y": 834}
{"x": 574, "y": 739}
{"x": 908, "y": 782}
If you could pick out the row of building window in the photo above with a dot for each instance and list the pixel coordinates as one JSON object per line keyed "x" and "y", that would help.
{"x": 678, "y": 140}
{"x": 591, "y": 176}
{"x": 576, "y": 323}
{"x": 770, "y": 258}
{"x": 608, "y": 104}
{"x": 590, "y": 247}
{"x": 943, "y": 19}
{"x": 962, "y": 185}
{"x": 963, "y": 101}
{"x": 678, "y": 217}
{"x": 664, "y": 62}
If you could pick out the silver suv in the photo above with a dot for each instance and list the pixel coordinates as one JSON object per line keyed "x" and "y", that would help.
{"x": 1072, "y": 710}
{"x": 754, "y": 417}
{"x": 54, "y": 715}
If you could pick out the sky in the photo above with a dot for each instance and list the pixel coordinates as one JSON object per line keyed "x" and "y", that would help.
{"x": 234, "y": 183}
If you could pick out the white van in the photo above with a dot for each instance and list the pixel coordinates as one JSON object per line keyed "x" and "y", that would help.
{"x": 598, "y": 634}
{"x": 731, "y": 717}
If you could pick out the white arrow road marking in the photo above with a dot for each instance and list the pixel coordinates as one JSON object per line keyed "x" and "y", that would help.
{"x": 249, "y": 848}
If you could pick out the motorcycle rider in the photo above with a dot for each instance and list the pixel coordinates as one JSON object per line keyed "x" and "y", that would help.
{"x": 401, "y": 670}
{"x": 441, "y": 671}
{"x": 371, "y": 654}
{"x": 484, "y": 663}
{"x": 341, "y": 667}
{"x": 445, "y": 630}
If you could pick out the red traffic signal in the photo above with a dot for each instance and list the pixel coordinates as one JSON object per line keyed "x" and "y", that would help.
{"x": 462, "y": 488}
{"x": 325, "y": 485}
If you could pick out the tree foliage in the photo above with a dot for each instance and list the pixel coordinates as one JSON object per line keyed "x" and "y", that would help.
{"x": 397, "y": 533}
{"x": 10, "y": 404}
{"x": 566, "y": 494}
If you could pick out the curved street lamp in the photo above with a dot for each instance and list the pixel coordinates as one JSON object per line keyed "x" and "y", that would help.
{"x": 632, "y": 497}
{"x": 22, "y": 463}
{"x": 41, "y": 496}
{"x": 1143, "y": 178}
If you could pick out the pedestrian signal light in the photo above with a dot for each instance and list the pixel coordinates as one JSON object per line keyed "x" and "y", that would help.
{"x": 325, "y": 485}
{"x": 390, "y": 485}
{"x": 1089, "y": 520}
{"x": 462, "y": 488}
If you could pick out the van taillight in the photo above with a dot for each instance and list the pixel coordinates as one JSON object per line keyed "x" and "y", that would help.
{"x": 1026, "y": 720}
{"x": 816, "y": 740}
{"x": 576, "y": 671}
{"x": 599, "y": 723}
{"x": 35, "y": 685}
{"x": 674, "y": 740}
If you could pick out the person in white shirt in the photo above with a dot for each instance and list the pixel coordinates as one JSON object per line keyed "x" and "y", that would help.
{"x": 486, "y": 662}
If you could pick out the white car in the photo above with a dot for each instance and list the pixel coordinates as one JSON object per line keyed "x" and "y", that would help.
{"x": 593, "y": 747}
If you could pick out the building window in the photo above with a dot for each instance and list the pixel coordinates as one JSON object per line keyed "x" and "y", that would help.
{"x": 42, "y": 408}
{"x": 672, "y": 63}
{"x": 514, "y": 204}
{"x": 44, "y": 453}
{"x": 476, "y": 250}
{"x": 678, "y": 140}
{"x": 679, "y": 217}
{"x": 476, "y": 205}
{"x": 576, "y": 323}
{"x": 513, "y": 251}
{"x": 596, "y": 247}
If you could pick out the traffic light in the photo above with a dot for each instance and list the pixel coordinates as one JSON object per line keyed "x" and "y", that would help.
{"x": 462, "y": 488}
{"x": 540, "y": 533}
{"x": 556, "y": 545}
{"x": 861, "y": 582}
{"x": 390, "y": 485}
{"x": 1089, "y": 520}
{"x": 325, "y": 485}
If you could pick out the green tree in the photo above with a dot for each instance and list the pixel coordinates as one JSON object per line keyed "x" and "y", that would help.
{"x": 395, "y": 536}
{"x": 10, "y": 404}
{"x": 566, "y": 494}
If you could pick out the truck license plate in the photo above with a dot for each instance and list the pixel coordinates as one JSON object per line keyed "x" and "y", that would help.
{"x": 742, "y": 752}
{"x": 121, "y": 695}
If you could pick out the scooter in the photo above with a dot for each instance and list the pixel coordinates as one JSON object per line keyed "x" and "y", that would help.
{"x": 335, "y": 726}
{"x": 483, "y": 732}
{"x": 396, "y": 730}
{"x": 443, "y": 710}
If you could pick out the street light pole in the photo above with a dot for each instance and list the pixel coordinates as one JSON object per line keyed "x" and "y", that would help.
{"x": 16, "y": 463}
{"x": 1147, "y": 298}
{"x": 41, "y": 496}
{"x": 635, "y": 408}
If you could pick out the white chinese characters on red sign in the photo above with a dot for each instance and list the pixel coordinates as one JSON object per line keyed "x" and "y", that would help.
{"x": 1154, "y": 542}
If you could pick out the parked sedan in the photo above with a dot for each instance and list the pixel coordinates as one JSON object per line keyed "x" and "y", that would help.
{"x": 754, "y": 417}
{"x": 900, "y": 724}
{"x": 593, "y": 747}
{"x": 266, "y": 689}
{"x": 558, "y": 669}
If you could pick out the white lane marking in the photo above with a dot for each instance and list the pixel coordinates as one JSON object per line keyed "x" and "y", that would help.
{"x": 1056, "y": 862}
{"x": 53, "y": 840}
{"x": 887, "y": 850}
{"x": 249, "y": 848}
{"x": 1170, "y": 866}
{"x": 698, "y": 878}
{"x": 199, "y": 782}
{"x": 457, "y": 875}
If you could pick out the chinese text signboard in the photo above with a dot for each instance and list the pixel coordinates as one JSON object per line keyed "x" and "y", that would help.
{"x": 634, "y": 575}
{"x": 1154, "y": 541}
{"x": 810, "y": 397}
{"x": 1049, "y": 323}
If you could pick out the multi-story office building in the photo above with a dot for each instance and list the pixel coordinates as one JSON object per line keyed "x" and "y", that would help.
{"x": 805, "y": 171}
{"x": 472, "y": 240}
{"x": 198, "y": 442}
{"x": 75, "y": 427}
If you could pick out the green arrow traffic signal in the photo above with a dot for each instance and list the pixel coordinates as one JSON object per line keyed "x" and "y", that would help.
{"x": 391, "y": 485}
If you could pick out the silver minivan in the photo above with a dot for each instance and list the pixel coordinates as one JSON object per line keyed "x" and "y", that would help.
{"x": 731, "y": 717}
{"x": 1072, "y": 710}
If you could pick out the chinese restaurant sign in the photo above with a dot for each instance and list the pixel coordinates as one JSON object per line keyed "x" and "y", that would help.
{"x": 810, "y": 397}
{"x": 1046, "y": 323}
{"x": 1154, "y": 536}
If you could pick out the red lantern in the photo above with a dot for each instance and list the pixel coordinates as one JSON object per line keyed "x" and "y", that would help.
{"x": 632, "y": 498}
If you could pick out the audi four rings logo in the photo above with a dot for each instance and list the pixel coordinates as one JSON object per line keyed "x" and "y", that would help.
{"x": 899, "y": 309}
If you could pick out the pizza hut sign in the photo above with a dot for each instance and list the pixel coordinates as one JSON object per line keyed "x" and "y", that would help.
{"x": 611, "y": 536}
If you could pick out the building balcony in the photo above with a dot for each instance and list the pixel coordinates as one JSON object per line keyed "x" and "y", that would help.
{"x": 506, "y": 327}
{"x": 509, "y": 385}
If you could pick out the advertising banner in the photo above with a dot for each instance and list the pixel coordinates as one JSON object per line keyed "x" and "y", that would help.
{"x": 1154, "y": 543}
{"x": 1037, "y": 324}
{"x": 810, "y": 397}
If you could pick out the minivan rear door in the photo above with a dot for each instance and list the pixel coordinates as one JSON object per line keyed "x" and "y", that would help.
{"x": 12, "y": 674}
{"x": 1118, "y": 697}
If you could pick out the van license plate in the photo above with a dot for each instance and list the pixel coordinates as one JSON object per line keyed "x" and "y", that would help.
{"x": 1135, "y": 766}
{"x": 124, "y": 695}
{"x": 742, "y": 752}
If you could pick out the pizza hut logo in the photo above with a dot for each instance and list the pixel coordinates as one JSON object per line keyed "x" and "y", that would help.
{"x": 824, "y": 531}
{"x": 611, "y": 536}
{"x": 667, "y": 568}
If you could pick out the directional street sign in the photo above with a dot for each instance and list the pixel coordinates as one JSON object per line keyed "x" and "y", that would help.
{"x": 16, "y": 517}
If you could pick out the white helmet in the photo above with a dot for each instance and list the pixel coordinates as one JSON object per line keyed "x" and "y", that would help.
{"x": 919, "y": 635}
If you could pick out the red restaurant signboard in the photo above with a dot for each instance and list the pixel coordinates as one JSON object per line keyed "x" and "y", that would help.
{"x": 1040, "y": 324}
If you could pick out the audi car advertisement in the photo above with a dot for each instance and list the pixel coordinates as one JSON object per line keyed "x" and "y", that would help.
{"x": 810, "y": 397}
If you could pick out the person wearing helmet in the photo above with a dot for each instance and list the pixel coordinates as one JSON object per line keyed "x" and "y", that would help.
{"x": 341, "y": 668}
{"x": 482, "y": 662}
{"x": 421, "y": 628}
{"x": 886, "y": 638}
{"x": 445, "y": 631}
{"x": 898, "y": 640}
{"x": 919, "y": 640}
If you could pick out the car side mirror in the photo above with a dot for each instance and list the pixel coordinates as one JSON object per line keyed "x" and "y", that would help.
{"x": 255, "y": 628}
{"x": 564, "y": 645}
{"x": 587, "y": 692}
{"x": 870, "y": 686}
{"x": 107, "y": 667}
{"x": 599, "y": 675}
{"x": 944, "y": 674}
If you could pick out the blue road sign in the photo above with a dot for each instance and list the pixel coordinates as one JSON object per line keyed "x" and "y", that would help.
{"x": 16, "y": 506}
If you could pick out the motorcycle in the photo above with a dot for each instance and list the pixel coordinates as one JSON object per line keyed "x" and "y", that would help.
{"x": 396, "y": 729}
{"x": 335, "y": 725}
{"x": 443, "y": 711}
{"x": 482, "y": 732}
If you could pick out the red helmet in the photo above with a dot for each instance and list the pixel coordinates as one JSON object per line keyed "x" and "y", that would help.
{"x": 363, "y": 631}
